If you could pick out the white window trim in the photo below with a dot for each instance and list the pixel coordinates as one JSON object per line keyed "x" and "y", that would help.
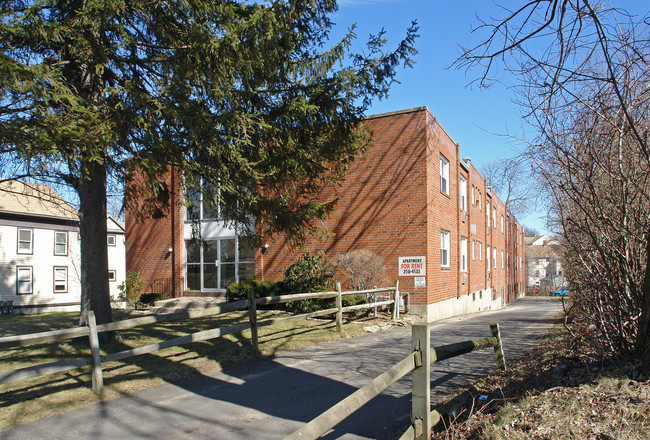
{"x": 463, "y": 254}
{"x": 487, "y": 211}
{"x": 494, "y": 257}
{"x": 487, "y": 259}
{"x": 463, "y": 193}
{"x": 31, "y": 242}
{"x": 30, "y": 280}
{"x": 63, "y": 282}
{"x": 445, "y": 254}
{"x": 501, "y": 259}
{"x": 108, "y": 240}
{"x": 114, "y": 277}
{"x": 444, "y": 175}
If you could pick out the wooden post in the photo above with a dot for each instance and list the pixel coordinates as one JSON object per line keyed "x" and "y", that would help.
{"x": 498, "y": 349}
{"x": 396, "y": 297}
{"x": 374, "y": 300}
{"x": 97, "y": 377}
{"x": 252, "y": 317}
{"x": 421, "y": 382}
{"x": 339, "y": 306}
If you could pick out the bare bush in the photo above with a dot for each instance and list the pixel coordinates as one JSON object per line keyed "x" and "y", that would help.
{"x": 362, "y": 269}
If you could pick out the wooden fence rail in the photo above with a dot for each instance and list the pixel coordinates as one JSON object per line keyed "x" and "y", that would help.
{"x": 423, "y": 418}
{"x": 92, "y": 330}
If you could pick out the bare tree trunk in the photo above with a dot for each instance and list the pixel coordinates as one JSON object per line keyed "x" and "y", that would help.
{"x": 94, "y": 252}
{"x": 642, "y": 342}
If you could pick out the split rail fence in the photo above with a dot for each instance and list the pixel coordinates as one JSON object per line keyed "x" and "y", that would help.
{"x": 419, "y": 362}
{"x": 92, "y": 329}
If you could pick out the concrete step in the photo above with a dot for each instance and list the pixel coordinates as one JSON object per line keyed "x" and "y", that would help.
{"x": 186, "y": 303}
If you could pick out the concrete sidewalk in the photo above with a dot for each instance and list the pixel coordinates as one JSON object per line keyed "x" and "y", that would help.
{"x": 272, "y": 397}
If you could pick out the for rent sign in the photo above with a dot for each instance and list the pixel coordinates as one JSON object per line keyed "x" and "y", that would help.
{"x": 412, "y": 266}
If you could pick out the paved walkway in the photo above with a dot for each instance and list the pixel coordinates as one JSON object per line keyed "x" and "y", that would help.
{"x": 272, "y": 397}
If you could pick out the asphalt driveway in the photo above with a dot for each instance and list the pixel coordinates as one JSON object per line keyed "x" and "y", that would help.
{"x": 272, "y": 397}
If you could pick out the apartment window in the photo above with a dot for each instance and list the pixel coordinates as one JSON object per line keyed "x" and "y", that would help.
{"x": 487, "y": 212}
{"x": 111, "y": 240}
{"x": 502, "y": 223}
{"x": 215, "y": 264}
{"x": 473, "y": 250}
{"x": 112, "y": 276}
{"x": 24, "y": 280}
{"x": 444, "y": 175}
{"x": 478, "y": 202}
{"x": 463, "y": 193}
{"x": 501, "y": 259}
{"x": 60, "y": 279}
{"x": 487, "y": 258}
{"x": 494, "y": 257}
{"x": 444, "y": 248}
{"x": 60, "y": 243}
{"x": 463, "y": 254}
{"x": 203, "y": 201}
{"x": 25, "y": 241}
{"x": 494, "y": 217}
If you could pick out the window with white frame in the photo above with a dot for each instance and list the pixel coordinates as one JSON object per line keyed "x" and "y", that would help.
{"x": 25, "y": 241}
{"x": 463, "y": 254}
{"x": 112, "y": 275}
{"x": 473, "y": 250}
{"x": 444, "y": 248}
{"x": 60, "y": 243}
{"x": 501, "y": 259}
{"x": 487, "y": 258}
{"x": 444, "y": 175}
{"x": 494, "y": 217}
{"x": 215, "y": 264}
{"x": 463, "y": 193}
{"x": 494, "y": 257}
{"x": 487, "y": 212}
{"x": 502, "y": 223}
{"x": 60, "y": 279}
{"x": 24, "y": 280}
{"x": 111, "y": 240}
{"x": 203, "y": 201}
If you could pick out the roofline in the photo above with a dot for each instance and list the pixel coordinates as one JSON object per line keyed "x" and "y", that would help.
{"x": 39, "y": 216}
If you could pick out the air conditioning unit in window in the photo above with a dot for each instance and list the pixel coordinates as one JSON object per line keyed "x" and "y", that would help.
{"x": 463, "y": 278}
{"x": 463, "y": 216}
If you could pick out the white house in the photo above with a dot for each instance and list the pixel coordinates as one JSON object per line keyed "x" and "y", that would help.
{"x": 40, "y": 253}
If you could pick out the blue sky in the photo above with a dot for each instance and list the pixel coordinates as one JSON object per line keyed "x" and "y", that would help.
{"x": 481, "y": 121}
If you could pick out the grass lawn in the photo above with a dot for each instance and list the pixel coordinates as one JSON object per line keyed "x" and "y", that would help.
{"x": 31, "y": 399}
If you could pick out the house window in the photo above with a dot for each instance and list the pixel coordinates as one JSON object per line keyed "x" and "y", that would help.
{"x": 112, "y": 275}
{"x": 463, "y": 193}
{"x": 25, "y": 241}
{"x": 110, "y": 240}
{"x": 60, "y": 279}
{"x": 203, "y": 201}
{"x": 215, "y": 264}
{"x": 487, "y": 212}
{"x": 487, "y": 258}
{"x": 463, "y": 254}
{"x": 60, "y": 243}
{"x": 24, "y": 280}
{"x": 444, "y": 248}
{"x": 444, "y": 175}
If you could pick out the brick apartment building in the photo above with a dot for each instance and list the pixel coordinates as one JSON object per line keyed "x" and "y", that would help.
{"x": 410, "y": 196}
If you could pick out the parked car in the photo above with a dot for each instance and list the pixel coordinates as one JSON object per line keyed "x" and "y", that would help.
{"x": 560, "y": 292}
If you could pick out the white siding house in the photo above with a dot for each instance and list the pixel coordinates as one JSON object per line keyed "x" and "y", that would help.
{"x": 39, "y": 249}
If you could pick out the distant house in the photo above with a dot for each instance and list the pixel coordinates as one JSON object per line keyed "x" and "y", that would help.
{"x": 40, "y": 253}
{"x": 543, "y": 264}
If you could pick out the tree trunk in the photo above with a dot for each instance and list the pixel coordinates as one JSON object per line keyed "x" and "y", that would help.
{"x": 94, "y": 252}
{"x": 642, "y": 340}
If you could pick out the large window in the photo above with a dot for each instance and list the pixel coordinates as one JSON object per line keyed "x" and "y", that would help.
{"x": 25, "y": 241}
{"x": 60, "y": 243}
{"x": 463, "y": 193}
{"x": 214, "y": 264}
{"x": 60, "y": 279}
{"x": 444, "y": 175}
{"x": 463, "y": 254}
{"x": 203, "y": 201}
{"x": 24, "y": 280}
{"x": 444, "y": 248}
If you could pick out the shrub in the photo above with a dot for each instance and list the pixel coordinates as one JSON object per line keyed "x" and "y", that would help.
{"x": 361, "y": 268}
{"x": 237, "y": 291}
{"x": 150, "y": 298}
{"x": 312, "y": 273}
{"x": 131, "y": 288}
